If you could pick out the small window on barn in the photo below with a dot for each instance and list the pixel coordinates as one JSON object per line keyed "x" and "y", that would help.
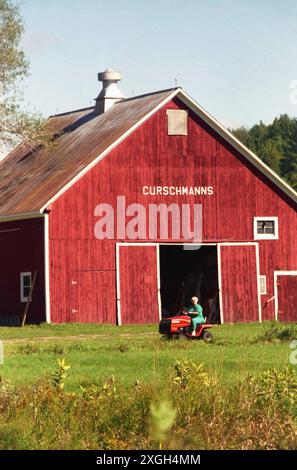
{"x": 177, "y": 122}
{"x": 265, "y": 228}
{"x": 26, "y": 282}
{"x": 262, "y": 285}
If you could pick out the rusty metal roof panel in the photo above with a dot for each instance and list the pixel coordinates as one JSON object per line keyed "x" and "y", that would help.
{"x": 29, "y": 179}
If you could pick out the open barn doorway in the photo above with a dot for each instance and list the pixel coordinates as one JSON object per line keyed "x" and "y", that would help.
{"x": 188, "y": 273}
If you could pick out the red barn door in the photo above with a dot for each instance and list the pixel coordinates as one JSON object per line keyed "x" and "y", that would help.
{"x": 91, "y": 301}
{"x": 239, "y": 283}
{"x": 287, "y": 297}
{"x": 138, "y": 284}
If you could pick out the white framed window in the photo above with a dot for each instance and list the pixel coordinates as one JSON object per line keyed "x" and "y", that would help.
{"x": 262, "y": 285}
{"x": 265, "y": 228}
{"x": 177, "y": 122}
{"x": 26, "y": 283}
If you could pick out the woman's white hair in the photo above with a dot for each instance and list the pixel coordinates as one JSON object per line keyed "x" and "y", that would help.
{"x": 195, "y": 298}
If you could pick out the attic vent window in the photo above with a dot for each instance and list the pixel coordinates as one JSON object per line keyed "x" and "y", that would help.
{"x": 177, "y": 122}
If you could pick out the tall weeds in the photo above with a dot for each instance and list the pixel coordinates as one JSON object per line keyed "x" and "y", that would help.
{"x": 194, "y": 410}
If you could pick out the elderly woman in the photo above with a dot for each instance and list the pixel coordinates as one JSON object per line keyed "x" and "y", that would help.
{"x": 196, "y": 313}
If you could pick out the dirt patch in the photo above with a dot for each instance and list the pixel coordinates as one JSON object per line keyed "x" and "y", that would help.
{"x": 76, "y": 337}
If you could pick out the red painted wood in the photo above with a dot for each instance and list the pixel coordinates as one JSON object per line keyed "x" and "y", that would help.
{"x": 150, "y": 157}
{"x": 88, "y": 304}
{"x": 22, "y": 250}
{"x": 239, "y": 284}
{"x": 138, "y": 284}
{"x": 287, "y": 298}
{"x": 70, "y": 259}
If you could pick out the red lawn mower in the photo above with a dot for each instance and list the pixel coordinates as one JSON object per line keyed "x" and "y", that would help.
{"x": 180, "y": 327}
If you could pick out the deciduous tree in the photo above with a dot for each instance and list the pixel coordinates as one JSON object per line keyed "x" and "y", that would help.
{"x": 15, "y": 123}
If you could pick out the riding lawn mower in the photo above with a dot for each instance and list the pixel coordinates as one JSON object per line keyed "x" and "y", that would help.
{"x": 180, "y": 327}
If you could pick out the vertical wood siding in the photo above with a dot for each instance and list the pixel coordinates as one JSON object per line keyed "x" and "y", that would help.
{"x": 287, "y": 298}
{"x": 87, "y": 302}
{"x": 22, "y": 250}
{"x": 76, "y": 268}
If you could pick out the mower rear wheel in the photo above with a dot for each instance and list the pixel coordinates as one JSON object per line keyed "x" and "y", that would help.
{"x": 207, "y": 336}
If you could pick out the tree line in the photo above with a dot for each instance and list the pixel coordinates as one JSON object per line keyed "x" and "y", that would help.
{"x": 275, "y": 144}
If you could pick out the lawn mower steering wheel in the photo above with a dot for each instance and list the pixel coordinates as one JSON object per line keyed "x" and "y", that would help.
{"x": 183, "y": 311}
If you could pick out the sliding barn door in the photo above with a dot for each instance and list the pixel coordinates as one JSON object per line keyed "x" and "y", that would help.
{"x": 239, "y": 283}
{"x": 138, "y": 284}
{"x": 286, "y": 285}
{"x": 92, "y": 300}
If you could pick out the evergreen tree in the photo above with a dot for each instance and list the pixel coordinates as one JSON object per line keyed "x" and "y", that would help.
{"x": 275, "y": 144}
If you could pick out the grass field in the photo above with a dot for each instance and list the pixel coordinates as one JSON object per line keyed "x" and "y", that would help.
{"x": 127, "y": 388}
{"x": 131, "y": 353}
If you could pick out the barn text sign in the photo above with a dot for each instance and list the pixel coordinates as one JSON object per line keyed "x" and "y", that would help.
{"x": 178, "y": 222}
{"x": 177, "y": 190}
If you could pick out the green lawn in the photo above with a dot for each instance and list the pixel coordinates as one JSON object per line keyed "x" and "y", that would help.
{"x": 132, "y": 353}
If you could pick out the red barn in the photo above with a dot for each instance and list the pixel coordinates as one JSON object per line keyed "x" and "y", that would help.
{"x": 103, "y": 217}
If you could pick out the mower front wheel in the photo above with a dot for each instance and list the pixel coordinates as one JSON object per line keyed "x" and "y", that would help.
{"x": 179, "y": 335}
{"x": 172, "y": 336}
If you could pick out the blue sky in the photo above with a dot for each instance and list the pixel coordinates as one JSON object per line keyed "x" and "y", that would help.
{"x": 236, "y": 58}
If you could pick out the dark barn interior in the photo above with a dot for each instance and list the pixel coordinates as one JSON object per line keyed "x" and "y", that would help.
{"x": 186, "y": 273}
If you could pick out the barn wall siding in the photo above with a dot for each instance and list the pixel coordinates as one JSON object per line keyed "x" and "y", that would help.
{"x": 149, "y": 157}
{"x": 22, "y": 250}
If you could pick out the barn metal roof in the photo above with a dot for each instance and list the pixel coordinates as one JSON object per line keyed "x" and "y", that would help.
{"x": 31, "y": 180}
